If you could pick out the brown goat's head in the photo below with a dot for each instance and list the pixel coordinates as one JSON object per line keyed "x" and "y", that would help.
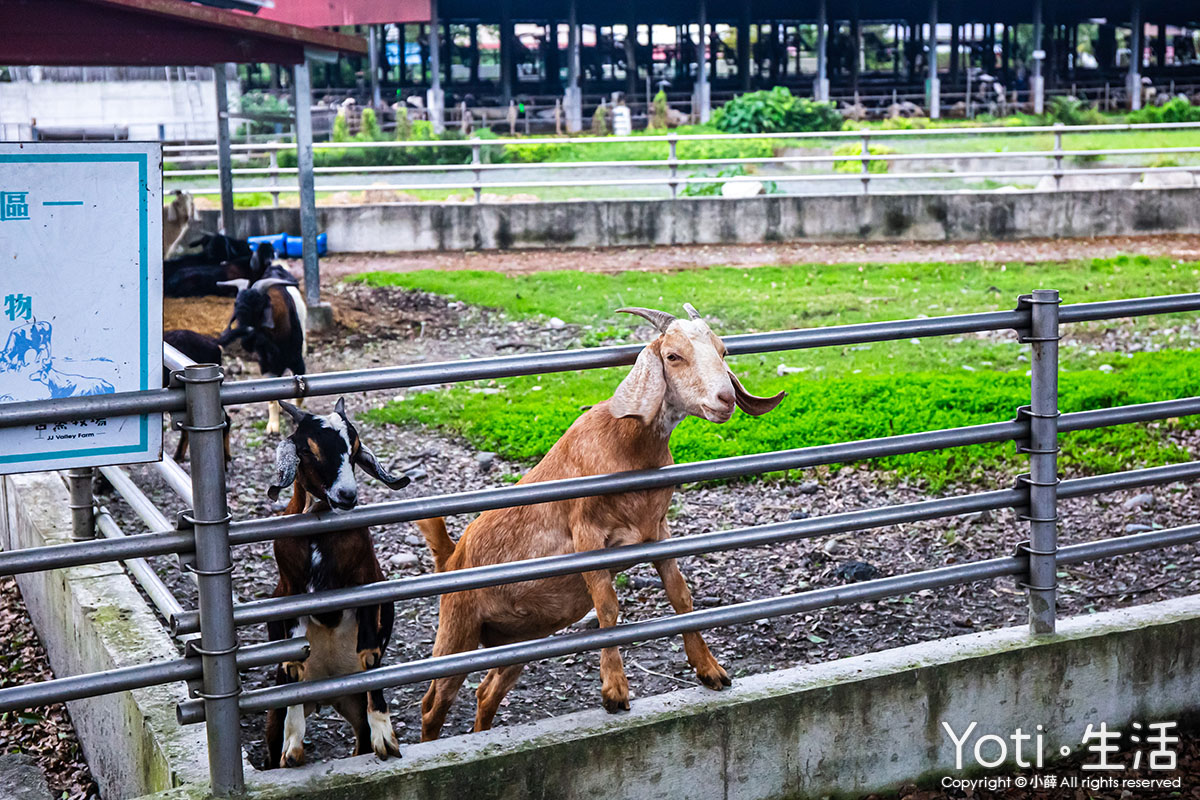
{"x": 683, "y": 371}
{"x": 320, "y": 457}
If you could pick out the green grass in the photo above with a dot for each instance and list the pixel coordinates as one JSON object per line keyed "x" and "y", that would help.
{"x": 841, "y": 394}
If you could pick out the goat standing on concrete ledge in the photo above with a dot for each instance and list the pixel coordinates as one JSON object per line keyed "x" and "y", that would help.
{"x": 681, "y": 373}
{"x": 269, "y": 319}
{"x": 318, "y": 462}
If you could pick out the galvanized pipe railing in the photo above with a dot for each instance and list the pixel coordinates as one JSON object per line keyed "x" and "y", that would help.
{"x": 218, "y": 618}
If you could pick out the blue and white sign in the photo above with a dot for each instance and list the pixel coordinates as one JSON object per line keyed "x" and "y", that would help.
{"x": 80, "y": 296}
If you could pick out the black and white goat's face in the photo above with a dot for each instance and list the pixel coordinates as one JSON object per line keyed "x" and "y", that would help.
{"x": 320, "y": 457}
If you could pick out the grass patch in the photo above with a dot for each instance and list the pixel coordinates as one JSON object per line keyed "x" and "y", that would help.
{"x": 835, "y": 394}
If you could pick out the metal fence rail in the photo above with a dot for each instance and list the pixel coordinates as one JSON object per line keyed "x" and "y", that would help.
{"x": 208, "y": 535}
{"x": 501, "y": 175}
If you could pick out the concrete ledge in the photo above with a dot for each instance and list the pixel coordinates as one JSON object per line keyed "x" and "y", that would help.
{"x": 842, "y": 728}
{"x": 91, "y": 619}
{"x": 410, "y": 227}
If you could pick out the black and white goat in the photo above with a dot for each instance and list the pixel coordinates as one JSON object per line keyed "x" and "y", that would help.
{"x": 317, "y": 460}
{"x": 203, "y": 350}
{"x": 269, "y": 319}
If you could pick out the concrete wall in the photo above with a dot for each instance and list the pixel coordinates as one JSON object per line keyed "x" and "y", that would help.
{"x": 186, "y": 110}
{"x": 91, "y": 619}
{"x": 404, "y": 227}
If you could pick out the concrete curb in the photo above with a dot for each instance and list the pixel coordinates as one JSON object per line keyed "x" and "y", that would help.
{"x": 941, "y": 217}
{"x": 90, "y": 619}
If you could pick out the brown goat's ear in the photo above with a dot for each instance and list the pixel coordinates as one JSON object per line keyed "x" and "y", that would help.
{"x": 753, "y": 404}
{"x": 641, "y": 393}
{"x": 285, "y": 468}
{"x": 369, "y": 464}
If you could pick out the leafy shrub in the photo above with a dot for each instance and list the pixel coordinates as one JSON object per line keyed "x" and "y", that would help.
{"x": 258, "y": 102}
{"x": 905, "y": 123}
{"x": 658, "y": 111}
{"x": 369, "y": 131}
{"x": 1177, "y": 109}
{"x": 403, "y": 124}
{"x": 600, "y": 121}
{"x": 856, "y": 164}
{"x": 533, "y": 153}
{"x": 1072, "y": 111}
{"x": 713, "y": 188}
{"x": 341, "y": 128}
{"x": 773, "y": 111}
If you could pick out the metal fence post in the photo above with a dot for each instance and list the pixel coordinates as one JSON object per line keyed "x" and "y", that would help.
{"x": 83, "y": 510}
{"x": 1058, "y": 159}
{"x": 477, "y": 159}
{"x": 218, "y": 635}
{"x": 1042, "y": 447}
{"x": 866, "y": 164}
{"x": 673, "y": 162}
{"x": 274, "y": 164}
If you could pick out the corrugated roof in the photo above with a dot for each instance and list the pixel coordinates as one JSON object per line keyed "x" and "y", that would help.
{"x": 152, "y": 32}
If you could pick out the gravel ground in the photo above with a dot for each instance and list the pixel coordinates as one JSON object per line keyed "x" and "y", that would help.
{"x": 423, "y": 327}
{"x": 665, "y": 259}
{"x": 44, "y": 733}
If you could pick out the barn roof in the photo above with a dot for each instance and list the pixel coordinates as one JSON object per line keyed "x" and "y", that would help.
{"x": 151, "y": 32}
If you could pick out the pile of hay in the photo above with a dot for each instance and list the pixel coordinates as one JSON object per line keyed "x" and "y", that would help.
{"x": 207, "y": 315}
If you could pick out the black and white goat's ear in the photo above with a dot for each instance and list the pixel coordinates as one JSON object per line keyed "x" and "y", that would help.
{"x": 753, "y": 404}
{"x": 340, "y": 407}
{"x": 366, "y": 461}
{"x": 641, "y": 393}
{"x": 285, "y": 468}
{"x": 296, "y": 414}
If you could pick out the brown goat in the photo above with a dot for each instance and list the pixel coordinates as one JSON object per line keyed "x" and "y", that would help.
{"x": 681, "y": 373}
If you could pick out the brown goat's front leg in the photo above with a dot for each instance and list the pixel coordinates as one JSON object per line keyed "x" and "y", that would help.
{"x": 614, "y": 686}
{"x": 458, "y": 632}
{"x": 710, "y": 673}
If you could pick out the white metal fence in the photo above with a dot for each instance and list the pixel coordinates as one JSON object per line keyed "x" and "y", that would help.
{"x": 804, "y": 155}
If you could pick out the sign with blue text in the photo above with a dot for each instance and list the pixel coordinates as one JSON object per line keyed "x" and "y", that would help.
{"x": 80, "y": 296}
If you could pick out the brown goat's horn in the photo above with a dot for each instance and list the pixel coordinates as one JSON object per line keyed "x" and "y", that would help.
{"x": 659, "y": 319}
{"x": 691, "y": 311}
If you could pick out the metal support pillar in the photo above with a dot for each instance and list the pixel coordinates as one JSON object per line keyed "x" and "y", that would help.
{"x": 507, "y": 65}
{"x": 373, "y": 64}
{"x": 856, "y": 39}
{"x": 821, "y": 85}
{"x": 934, "y": 89}
{"x": 1037, "y": 82}
{"x": 1042, "y": 480}
{"x": 435, "y": 99}
{"x": 224, "y": 158}
{"x": 702, "y": 97}
{"x": 302, "y": 81}
{"x": 1133, "y": 81}
{"x": 955, "y": 42}
{"x": 573, "y": 97}
{"x": 213, "y": 567}
{"x": 83, "y": 508}
{"x": 744, "y": 48}
{"x": 631, "y": 65}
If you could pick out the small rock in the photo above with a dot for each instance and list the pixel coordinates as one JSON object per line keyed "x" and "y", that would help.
{"x": 962, "y": 622}
{"x": 799, "y": 515}
{"x": 485, "y": 460}
{"x": 417, "y": 474}
{"x": 556, "y": 324}
{"x": 403, "y": 559}
{"x": 833, "y": 547}
{"x": 809, "y": 487}
{"x": 414, "y": 540}
{"x": 1144, "y": 500}
{"x": 638, "y": 582}
{"x": 1137, "y": 527}
{"x": 1106, "y": 367}
{"x": 854, "y": 571}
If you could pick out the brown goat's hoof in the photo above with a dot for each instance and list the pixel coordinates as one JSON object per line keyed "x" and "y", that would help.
{"x": 369, "y": 659}
{"x": 292, "y": 758}
{"x": 715, "y": 678}
{"x": 615, "y": 705}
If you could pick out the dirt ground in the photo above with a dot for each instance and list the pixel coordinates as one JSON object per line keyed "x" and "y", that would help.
{"x": 621, "y": 259}
{"x": 392, "y": 326}
{"x": 410, "y": 326}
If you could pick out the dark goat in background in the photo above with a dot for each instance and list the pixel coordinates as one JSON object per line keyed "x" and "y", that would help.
{"x": 268, "y": 319}
{"x": 203, "y": 273}
{"x": 203, "y": 350}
